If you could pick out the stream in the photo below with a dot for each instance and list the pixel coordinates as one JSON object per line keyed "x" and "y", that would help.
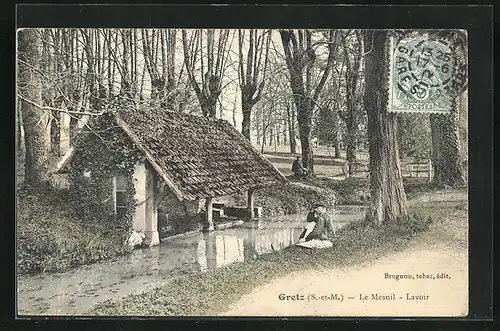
{"x": 75, "y": 291}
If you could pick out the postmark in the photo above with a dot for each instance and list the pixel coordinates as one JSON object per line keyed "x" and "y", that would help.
{"x": 426, "y": 73}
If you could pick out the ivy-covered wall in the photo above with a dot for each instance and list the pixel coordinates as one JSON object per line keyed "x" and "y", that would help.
{"x": 103, "y": 152}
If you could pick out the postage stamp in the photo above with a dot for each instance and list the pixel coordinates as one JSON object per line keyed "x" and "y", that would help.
{"x": 425, "y": 73}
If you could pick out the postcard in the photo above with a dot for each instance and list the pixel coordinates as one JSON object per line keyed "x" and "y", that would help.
{"x": 242, "y": 172}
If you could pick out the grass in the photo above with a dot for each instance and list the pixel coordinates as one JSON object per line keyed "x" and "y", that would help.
{"x": 300, "y": 195}
{"x": 322, "y": 170}
{"x": 318, "y": 152}
{"x": 212, "y": 292}
{"x": 50, "y": 238}
{"x": 324, "y": 165}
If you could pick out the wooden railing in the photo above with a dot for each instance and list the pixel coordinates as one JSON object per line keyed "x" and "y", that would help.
{"x": 421, "y": 169}
{"x": 418, "y": 169}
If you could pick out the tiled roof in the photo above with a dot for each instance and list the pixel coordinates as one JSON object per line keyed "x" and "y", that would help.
{"x": 198, "y": 157}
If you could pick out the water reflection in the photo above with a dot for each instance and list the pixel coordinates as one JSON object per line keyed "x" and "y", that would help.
{"x": 76, "y": 291}
{"x": 215, "y": 250}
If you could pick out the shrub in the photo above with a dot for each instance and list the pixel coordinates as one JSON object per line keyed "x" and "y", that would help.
{"x": 50, "y": 238}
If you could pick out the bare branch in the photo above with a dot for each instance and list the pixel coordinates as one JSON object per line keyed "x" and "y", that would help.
{"x": 328, "y": 68}
{"x": 59, "y": 109}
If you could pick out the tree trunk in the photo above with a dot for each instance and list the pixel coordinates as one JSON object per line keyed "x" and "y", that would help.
{"x": 35, "y": 120}
{"x": 285, "y": 131}
{"x": 278, "y": 133}
{"x": 209, "y": 108}
{"x": 19, "y": 124}
{"x": 336, "y": 135}
{"x": 264, "y": 131}
{"x": 293, "y": 146}
{"x": 336, "y": 145}
{"x": 300, "y": 58}
{"x": 258, "y": 130}
{"x": 291, "y": 128}
{"x": 234, "y": 109}
{"x": 271, "y": 134}
{"x": 446, "y": 150}
{"x": 245, "y": 123}
{"x": 55, "y": 137}
{"x": 351, "y": 143}
{"x": 386, "y": 182}
{"x": 304, "y": 119}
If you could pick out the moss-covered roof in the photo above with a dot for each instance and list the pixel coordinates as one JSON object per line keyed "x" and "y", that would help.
{"x": 198, "y": 157}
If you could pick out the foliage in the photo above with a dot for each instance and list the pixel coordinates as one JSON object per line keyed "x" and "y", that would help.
{"x": 51, "y": 238}
{"x": 292, "y": 199}
{"x": 61, "y": 229}
{"x": 349, "y": 191}
{"x": 102, "y": 154}
{"x": 326, "y": 125}
{"x": 414, "y": 133}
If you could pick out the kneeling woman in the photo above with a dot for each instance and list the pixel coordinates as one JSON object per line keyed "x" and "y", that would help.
{"x": 319, "y": 231}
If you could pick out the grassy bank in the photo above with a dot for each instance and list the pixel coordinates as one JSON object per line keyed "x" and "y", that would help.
{"x": 50, "y": 238}
{"x": 212, "y": 292}
{"x": 299, "y": 195}
{"x": 292, "y": 198}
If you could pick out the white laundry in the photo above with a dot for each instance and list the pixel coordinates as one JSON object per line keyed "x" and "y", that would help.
{"x": 315, "y": 243}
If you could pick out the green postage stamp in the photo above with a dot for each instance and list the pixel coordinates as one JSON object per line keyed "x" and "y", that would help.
{"x": 425, "y": 73}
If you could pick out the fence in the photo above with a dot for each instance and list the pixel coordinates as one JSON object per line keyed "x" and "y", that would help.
{"x": 418, "y": 169}
{"x": 421, "y": 169}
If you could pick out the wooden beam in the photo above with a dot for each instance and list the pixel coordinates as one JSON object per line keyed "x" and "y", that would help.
{"x": 208, "y": 214}
{"x": 250, "y": 203}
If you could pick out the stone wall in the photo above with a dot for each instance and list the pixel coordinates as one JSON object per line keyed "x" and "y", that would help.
{"x": 176, "y": 217}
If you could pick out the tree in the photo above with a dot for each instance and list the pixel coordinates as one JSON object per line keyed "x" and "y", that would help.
{"x": 326, "y": 128}
{"x": 300, "y": 59}
{"x": 352, "y": 59}
{"x": 446, "y": 150}
{"x": 211, "y": 71}
{"x": 35, "y": 119}
{"x": 386, "y": 182}
{"x": 446, "y": 141}
{"x": 163, "y": 80}
{"x": 256, "y": 67}
{"x": 290, "y": 124}
{"x": 277, "y": 90}
{"x": 328, "y": 119}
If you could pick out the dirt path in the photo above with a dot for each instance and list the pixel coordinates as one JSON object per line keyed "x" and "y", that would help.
{"x": 442, "y": 250}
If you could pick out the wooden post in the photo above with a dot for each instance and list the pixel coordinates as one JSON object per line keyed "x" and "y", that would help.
{"x": 250, "y": 204}
{"x": 208, "y": 214}
{"x": 210, "y": 251}
{"x": 151, "y": 217}
{"x": 429, "y": 164}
